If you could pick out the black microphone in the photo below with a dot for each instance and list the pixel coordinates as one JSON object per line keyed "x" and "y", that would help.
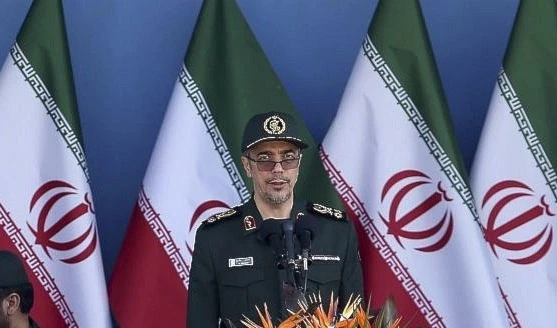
{"x": 288, "y": 230}
{"x": 305, "y": 231}
{"x": 270, "y": 233}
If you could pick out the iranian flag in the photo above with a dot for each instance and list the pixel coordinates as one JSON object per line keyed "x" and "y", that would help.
{"x": 195, "y": 169}
{"x": 513, "y": 176}
{"x": 393, "y": 158}
{"x": 46, "y": 209}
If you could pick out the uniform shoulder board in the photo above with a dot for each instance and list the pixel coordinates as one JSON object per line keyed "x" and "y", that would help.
{"x": 326, "y": 211}
{"x": 230, "y": 213}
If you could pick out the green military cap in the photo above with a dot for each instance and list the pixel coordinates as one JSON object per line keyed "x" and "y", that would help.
{"x": 12, "y": 272}
{"x": 272, "y": 126}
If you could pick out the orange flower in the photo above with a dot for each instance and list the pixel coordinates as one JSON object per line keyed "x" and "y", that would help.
{"x": 312, "y": 315}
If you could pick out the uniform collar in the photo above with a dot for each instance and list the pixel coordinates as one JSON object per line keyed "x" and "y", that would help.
{"x": 251, "y": 215}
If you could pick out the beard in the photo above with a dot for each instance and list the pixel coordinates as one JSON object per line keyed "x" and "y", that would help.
{"x": 278, "y": 197}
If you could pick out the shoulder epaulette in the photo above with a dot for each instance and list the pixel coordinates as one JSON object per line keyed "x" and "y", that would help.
{"x": 221, "y": 216}
{"x": 326, "y": 211}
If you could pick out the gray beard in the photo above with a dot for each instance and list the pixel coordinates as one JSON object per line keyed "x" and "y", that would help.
{"x": 278, "y": 199}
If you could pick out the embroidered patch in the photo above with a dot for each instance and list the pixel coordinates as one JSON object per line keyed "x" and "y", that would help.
{"x": 326, "y": 211}
{"x": 249, "y": 223}
{"x": 219, "y": 216}
{"x": 240, "y": 262}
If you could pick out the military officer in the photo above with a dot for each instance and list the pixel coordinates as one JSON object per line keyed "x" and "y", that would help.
{"x": 234, "y": 268}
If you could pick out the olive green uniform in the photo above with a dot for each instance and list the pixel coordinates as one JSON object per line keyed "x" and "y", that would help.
{"x": 233, "y": 270}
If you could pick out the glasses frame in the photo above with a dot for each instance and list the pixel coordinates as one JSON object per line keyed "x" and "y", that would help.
{"x": 261, "y": 163}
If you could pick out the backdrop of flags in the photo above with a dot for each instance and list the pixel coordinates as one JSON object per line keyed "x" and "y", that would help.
{"x": 390, "y": 153}
{"x": 392, "y": 156}
{"x": 47, "y": 214}
{"x": 513, "y": 176}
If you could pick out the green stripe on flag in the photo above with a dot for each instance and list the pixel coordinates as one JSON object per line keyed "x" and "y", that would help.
{"x": 43, "y": 40}
{"x": 407, "y": 51}
{"x": 531, "y": 64}
{"x": 237, "y": 81}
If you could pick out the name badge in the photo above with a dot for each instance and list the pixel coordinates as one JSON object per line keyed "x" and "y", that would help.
{"x": 240, "y": 262}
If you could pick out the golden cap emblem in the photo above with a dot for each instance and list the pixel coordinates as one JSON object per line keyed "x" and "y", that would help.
{"x": 274, "y": 125}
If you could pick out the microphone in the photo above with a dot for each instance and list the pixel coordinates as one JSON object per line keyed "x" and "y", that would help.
{"x": 288, "y": 230}
{"x": 292, "y": 271}
{"x": 271, "y": 234}
{"x": 305, "y": 231}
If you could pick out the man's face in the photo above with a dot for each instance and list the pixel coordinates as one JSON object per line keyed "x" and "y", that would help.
{"x": 276, "y": 185}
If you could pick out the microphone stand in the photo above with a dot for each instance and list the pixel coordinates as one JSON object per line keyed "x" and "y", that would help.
{"x": 288, "y": 230}
{"x": 294, "y": 292}
{"x": 305, "y": 227}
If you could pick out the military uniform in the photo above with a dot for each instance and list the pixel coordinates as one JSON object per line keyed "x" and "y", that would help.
{"x": 233, "y": 270}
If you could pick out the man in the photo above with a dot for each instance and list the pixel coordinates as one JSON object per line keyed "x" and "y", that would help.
{"x": 242, "y": 257}
{"x": 16, "y": 293}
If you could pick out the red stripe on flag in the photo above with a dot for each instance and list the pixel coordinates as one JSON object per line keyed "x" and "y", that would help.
{"x": 145, "y": 289}
{"x": 380, "y": 282}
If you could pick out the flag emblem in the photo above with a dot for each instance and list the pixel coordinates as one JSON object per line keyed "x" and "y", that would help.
{"x": 402, "y": 191}
{"x": 514, "y": 197}
{"x": 56, "y": 230}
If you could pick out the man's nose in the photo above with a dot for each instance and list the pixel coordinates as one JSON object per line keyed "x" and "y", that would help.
{"x": 278, "y": 167}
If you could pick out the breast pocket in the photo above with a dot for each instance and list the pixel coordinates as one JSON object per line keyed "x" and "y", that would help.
{"x": 324, "y": 278}
{"x": 238, "y": 285}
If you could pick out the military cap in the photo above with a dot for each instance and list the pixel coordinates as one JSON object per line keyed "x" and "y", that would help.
{"x": 272, "y": 126}
{"x": 12, "y": 272}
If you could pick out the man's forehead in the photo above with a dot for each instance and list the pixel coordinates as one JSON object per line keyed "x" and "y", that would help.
{"x": 274, "y": 146}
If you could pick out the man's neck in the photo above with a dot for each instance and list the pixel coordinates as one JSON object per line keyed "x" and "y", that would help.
{"x": 20, "y": 321}
{"x": 276, "y": 211}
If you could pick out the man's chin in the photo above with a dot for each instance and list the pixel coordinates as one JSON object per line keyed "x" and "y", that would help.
{"x": 278, "y": 198}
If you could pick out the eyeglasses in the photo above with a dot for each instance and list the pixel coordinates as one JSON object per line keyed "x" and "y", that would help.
{"x": 268, "y": 165}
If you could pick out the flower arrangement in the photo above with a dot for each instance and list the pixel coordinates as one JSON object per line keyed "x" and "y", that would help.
{"x": 312, "y": 315}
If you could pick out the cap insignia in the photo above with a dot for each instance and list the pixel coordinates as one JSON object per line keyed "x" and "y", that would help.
{"x": 274, "y": 125}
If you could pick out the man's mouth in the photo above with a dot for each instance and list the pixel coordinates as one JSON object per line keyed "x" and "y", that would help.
{"x": 277, "y": 182}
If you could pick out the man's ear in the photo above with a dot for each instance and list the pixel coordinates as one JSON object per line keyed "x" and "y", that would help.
{"x": 13, "y": 301}
{"x": 245, "y": 164}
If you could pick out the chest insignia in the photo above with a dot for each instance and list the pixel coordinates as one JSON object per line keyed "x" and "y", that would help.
{"x": 249, "y": 223}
